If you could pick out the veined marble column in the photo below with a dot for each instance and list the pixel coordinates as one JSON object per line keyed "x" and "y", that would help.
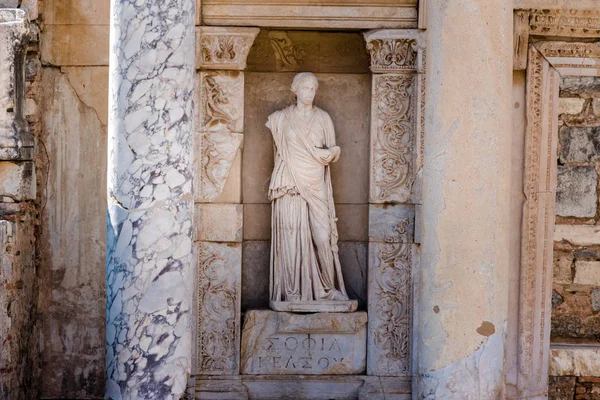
{"x": 150, "y": 268}
{"x": 463, "y": 303}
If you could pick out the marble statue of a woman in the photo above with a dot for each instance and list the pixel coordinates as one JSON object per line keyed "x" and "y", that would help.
{"x": 306, "y": 275}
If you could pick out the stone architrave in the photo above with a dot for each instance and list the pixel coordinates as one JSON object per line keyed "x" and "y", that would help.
{"x": 16, "y": 142}
{"x": 535, "y": 291}
{"x": 221, "y": 56}
{"x": 150, "y": 266}
{"x": 397, "y": 63}
{"x": 280, "y": 343}
{"x": 464, "y": 285}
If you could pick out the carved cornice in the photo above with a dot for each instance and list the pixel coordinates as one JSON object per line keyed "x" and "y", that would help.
{"x": 223, "y": 48}
{"x": 565, "y": 23}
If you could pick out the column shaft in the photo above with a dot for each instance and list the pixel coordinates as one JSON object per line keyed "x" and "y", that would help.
{"x": 150, "y": 268}
{"x": 464, "y": 264}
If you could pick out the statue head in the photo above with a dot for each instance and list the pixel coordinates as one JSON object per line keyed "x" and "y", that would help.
{"x": 304, "y": 86}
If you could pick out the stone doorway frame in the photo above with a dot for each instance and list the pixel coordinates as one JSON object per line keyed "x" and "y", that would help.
{"x": 548, "y": 44}
{"x": 397, "y": 65}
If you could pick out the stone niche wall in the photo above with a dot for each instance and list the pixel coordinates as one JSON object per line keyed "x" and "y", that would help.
{"x": 341, "y": 63}
{"x": 575, "y": 320}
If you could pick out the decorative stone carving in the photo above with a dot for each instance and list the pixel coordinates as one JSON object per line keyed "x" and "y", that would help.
{"x": 305, "y": 266}
{"x": 315, "y": 344}
{"x": 16, "y": 143}
{"x": 392, "y": 54}
{"x": 391, "y": 263}
{"x": 571, "y": 58}
{"x": 287, "y": 55}
{"x": 222, "y": 101}
{"x": 219, "y": 290}
{"x": 538, "y": 224}
{"x": 393, "y": 137}
{"x": 215, "y": 156}
{"x": 566, "y": 23}
{"x": 224, "y": 48}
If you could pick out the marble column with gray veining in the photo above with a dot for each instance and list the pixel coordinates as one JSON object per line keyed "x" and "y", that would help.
{"x": 150, "y": 267}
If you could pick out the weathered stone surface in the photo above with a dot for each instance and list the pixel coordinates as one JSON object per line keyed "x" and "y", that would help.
{"x": 219, "y": 222}
{"x": 318, "y": 52}
{"x": 563, "y": 262}
{"x": 561, "y": 388}
{"x": 595, "y": 299}
{"x": 323, "y": 343}
{"x": 255, "y": 274}
{"x": 267, "y": 92}
{"x": 9, "y": 3}
{"x": 257, "y": 221}
{"x": 574, "y": 361}
{"x": 391, "y": 221}
{"x": 16, "y": 142}
{"x": 72, "y": 243}
{"x": 62, "y": 45}
{"x": 19, "y": 322}
{"x": 587, "y": 273}
{"x": 576, "y": 192}
{"x": 580, "y": 86}
{"x": 304, "y": 387}
{"x": 579, "y": 235}
{"x": 353, "y": 257}
{"x": 90, "y": 84}
{"x": 219, "y": 300}
{"x": 76, "y": 12}
{"x": 579, "y": 144}
{"x": 17, "y": 180}
{"x": 298, "y": 14}
{"x": 570, "y": 105}
{"x": 353, "y": 221}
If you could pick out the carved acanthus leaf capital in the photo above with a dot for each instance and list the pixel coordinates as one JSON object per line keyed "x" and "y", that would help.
{"x": 224, "y": 48}
{"x": 391, "y": 53}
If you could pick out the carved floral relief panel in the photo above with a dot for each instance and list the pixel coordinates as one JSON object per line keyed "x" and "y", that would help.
{"x": 219, "y": 292}
{"x": 393, "y": 139}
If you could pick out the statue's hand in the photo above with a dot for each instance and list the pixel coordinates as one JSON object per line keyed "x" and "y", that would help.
{"x": 336, "y": 153}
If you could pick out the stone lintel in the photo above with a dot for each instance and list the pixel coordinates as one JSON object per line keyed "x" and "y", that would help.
{"x": 280, "y": 343}
{"x": 336, "y": 14}
{"x": 223, "y": 47}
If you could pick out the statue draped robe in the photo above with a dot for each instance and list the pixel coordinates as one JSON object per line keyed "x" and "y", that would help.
{"x": 302, "y": 207}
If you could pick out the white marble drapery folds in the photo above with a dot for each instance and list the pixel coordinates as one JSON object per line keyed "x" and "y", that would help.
{"x": 305, "y": 265}
{"x": 150, "y": 268}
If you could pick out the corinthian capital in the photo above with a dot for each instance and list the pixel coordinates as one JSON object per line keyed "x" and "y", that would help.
{"x": 392, "y": 50}
{"x": 224, "y": 48}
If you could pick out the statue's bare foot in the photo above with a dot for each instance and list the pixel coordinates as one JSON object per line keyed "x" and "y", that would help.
{"x": 338, "y": 296}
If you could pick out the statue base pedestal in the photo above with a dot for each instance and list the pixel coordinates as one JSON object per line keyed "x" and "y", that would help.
{"x": 314, "y": 306}
{"x": 280, "y": 343}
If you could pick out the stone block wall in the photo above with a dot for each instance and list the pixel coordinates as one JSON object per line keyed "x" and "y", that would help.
{"x": 575, "y": 320}
{"x": 576, "y": 294}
